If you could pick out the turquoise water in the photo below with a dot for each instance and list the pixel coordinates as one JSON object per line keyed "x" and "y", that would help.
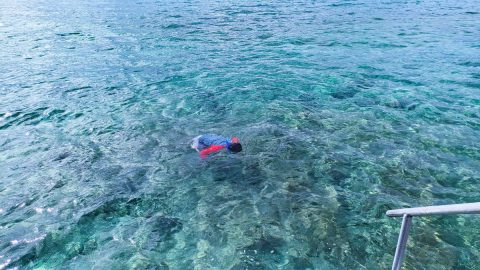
{"x": 345, "y": 109}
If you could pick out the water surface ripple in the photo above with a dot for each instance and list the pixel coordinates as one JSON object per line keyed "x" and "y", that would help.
{"x": 346, "y": 109}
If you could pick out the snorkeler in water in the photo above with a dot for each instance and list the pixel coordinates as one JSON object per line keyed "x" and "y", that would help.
{"x": 211, "y": 143}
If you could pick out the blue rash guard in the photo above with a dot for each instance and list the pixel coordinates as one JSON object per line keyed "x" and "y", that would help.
{"x": 208, "y": 140}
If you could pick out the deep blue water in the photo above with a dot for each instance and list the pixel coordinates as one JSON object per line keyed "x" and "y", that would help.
{"x": 345, "y": 109}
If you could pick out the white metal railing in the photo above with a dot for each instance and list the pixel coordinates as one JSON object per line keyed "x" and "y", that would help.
{"x": 409, "y": 213}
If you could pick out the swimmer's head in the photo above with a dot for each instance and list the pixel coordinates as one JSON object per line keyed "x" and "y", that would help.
{"x": 235, "y": 147}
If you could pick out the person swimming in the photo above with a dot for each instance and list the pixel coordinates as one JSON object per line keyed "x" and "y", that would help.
{"x": 210, "y": 143}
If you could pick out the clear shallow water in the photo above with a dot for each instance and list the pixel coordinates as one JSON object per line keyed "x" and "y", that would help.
{"x": 346, "y": 109}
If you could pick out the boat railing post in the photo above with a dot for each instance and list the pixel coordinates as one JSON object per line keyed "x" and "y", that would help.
{"x": 402, "y": 242}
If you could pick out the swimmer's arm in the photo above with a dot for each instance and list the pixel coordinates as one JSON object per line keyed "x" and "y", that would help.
{"x": 211, "y": 149}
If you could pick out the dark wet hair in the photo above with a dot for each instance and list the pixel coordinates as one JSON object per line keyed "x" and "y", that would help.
{"x": 235, "y": 147}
